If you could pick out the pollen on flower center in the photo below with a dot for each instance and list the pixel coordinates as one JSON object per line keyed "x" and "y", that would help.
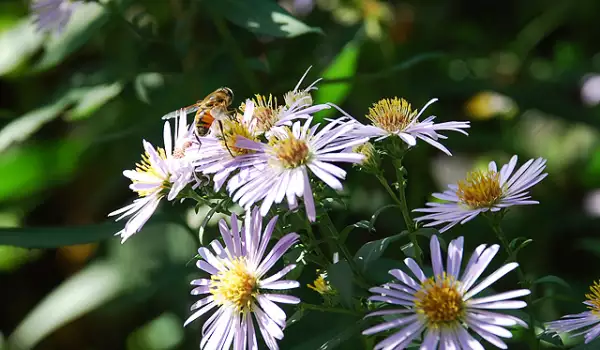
{"x": 440, "y": 302}
{"x": 594, "y": 298}
{"x": 480, "y": 189}
{"x": 303, "y": 97}
{"x": 179, "y": 152}
{"x": 231, "y": 130}
{"x": 292, "y": 152}
{"x": 266, "y": 112}
{"x": 392, "y": 115}
{"x": 146, "y": 167}
{"x": 235, "y": 286}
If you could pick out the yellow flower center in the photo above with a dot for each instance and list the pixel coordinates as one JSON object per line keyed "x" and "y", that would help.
{"x": 292, "y": 97}
{"x": 320, "y": 285}
{"x": 236, "y": 286}
{"x": 291, "y": 151}
{"x": 146, "y": 167}
{"x": 440, "y": 302}
{"x": 266, "y": 112}
{"x": 480, "y": 189}
{"x": 594, "y": 298}
{"x": 231, "y": 130}
{"x": 392, "y": 115}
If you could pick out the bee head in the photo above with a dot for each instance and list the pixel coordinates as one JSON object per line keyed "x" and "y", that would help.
{"x": 227, "y": 91}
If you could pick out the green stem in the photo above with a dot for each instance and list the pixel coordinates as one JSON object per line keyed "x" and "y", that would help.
{"x": 360, "y": 279}
{"x": 495, "y": 224}
{"x": 314, "y": 244}
{"x": 410, "y": 224}
{"x": 236, "y": 53}
{"x": 321, "y": 308}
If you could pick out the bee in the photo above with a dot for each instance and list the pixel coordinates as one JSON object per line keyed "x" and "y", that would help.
{"x": 213, "y": 107}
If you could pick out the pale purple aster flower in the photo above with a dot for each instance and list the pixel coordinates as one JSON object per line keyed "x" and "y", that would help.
{"x": 53, "y": 15}
{"x": 444, "y": 306}
{"x": 281, "y": 168}
{"x": 484, "y": 191}
{"x": 586, "y": 323}
{"x": 395, "y": 117}
{"x": 238, "y": 287}
{"x": 219, "y": 156}
{"x": 162, "y": 172}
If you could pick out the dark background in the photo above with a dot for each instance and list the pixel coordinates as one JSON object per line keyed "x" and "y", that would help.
{"x": 75, "y": 108}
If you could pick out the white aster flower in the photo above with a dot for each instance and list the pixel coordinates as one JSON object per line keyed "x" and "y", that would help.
{"x": 444, "y": 306}
{"x": 281, "y": 168}
{"x": 238, "y": 287}
{"x": 162, "y": 172}
{"x": 586, "y": 323}
{"x": 395, "y": 117}
{"x": 484, "y": 191}
{"x": 53, "y": 15}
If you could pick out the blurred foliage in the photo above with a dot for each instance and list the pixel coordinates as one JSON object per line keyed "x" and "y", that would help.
{"x": 75, "y": 108}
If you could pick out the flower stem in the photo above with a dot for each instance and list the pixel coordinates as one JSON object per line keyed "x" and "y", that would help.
{"x": 495, "y": 224}
{"x": 328, "y": 224}
{"x": 401, "y": 200}
{"x": 314, "y": 244}
{"x": 322, "y": 308}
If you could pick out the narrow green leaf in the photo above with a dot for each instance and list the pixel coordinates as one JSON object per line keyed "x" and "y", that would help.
{"x": 340, "y": 276}
{"x": 262, "y": 17}
{"x": 91, "y": 98}
{"x": 381, "y": 210}
{"x": 346, "y": 231}
{"x": 552, "y": 279}
{"x": 373, "y": 250}
{"x": 343, "y": 65}
{"x": 52, "y": 237}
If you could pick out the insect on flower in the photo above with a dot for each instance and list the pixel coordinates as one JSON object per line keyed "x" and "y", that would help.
{"x": 212, "y": 107}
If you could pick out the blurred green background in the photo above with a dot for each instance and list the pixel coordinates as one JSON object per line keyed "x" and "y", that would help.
{"x": 74, "y": 109}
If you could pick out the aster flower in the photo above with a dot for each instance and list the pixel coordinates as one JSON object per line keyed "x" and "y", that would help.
{"x": 484, "y": 191}
{"x": 220, "y": 156}
{"x": 586, "y": 323}
{"x": 281, "y": 167}
{"x": 395, "y": 117}
{"x": 53, "y": 15}
{"x": 162, "y": 172}
{"x": 298, "y": 105}
{"x": 238, "y": 287}
{"x": 444, "y": 306}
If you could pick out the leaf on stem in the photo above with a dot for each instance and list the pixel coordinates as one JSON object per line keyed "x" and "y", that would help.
{"x": 341, "y": 278}
{"x": 373, "y": 250}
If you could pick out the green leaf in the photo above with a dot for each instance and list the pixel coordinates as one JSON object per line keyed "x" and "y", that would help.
{"x": 379, "y": 211}
{"x": 343, "y": 65}
{"x": 378, "y": 270}
{"x": 295, "y": 256}
{"x": 262, "y": 17}
{"x": 340, "y": 276}
{"x": 18, "y": 44}
{"x": 23, "y": 127}
{"x": 91, "y": 98}
{"x": 83, "y": 24}
{"x": 52, "y": 237}
{"x": 552, "y": 279}
{"x": 373, "y": 250}
{"x": 519, "y": 243}
{"x": 85, "y": 291}
{"x": 346, "y": 231}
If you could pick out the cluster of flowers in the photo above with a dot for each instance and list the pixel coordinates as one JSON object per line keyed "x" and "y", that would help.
{"x": 271, "y": 152}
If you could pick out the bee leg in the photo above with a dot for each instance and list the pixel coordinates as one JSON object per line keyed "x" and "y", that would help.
{"x": 224, "y": 141}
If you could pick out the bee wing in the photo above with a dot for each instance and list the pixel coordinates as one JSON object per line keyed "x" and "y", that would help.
{"x": 188, "y": 110}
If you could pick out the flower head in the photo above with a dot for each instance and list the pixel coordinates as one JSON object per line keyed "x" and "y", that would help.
{"x": 444, "y": 306}
{"x": 483, "y": 191}
{"x": 586, "y": 323}
{"x": 321, "y": 285}
{"x": 53, "y": 15}
{"x": 162, "y": 172}
{"x": 395, "y": 117}
{"x": 220, "y": 155}
{"x": 281, "y": 168}
{"x": 238, "y": 287}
